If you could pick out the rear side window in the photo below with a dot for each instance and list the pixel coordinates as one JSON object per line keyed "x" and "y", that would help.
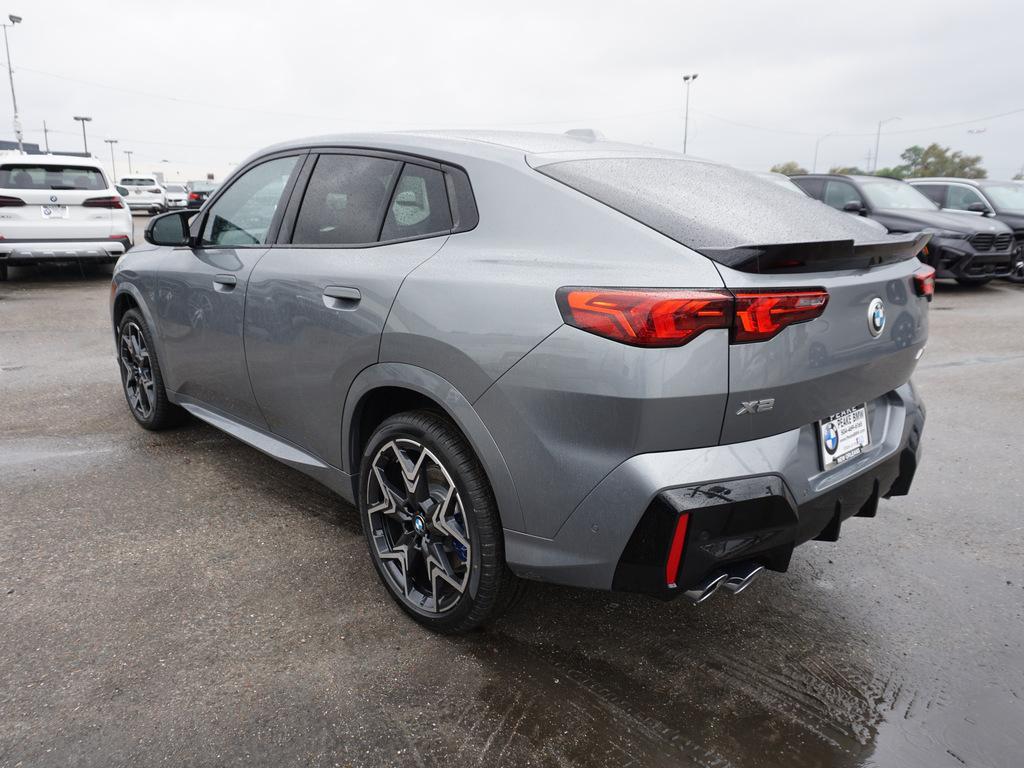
{"x": 28, "y": 176}
{"x": 934, "y": 192}
{"x": 419, "y": 206}
{"x": 705, "y": 205}
{"x": 345, "y": 200}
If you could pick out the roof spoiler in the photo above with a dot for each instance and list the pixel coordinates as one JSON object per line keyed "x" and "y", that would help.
{"x": 823, "y": 256}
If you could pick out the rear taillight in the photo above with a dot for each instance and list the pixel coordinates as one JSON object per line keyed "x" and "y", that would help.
{"x": 924, "y": 282}
{"x": 645, "y": 317}
{"x": 103, "y": 202}
{"x": 669, "y": 317}
{"x": 155, "y": 190}
{"x": 760, "y": 315}
{"x": 675, "y": 550}
{"x": 10, "y": 202}
{"x": 193, "y": 195}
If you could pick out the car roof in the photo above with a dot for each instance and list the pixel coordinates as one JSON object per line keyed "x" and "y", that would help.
{"x": 501, "y": 146}
{"x": 848, "y": 176}
{"x": 18, "y": 157}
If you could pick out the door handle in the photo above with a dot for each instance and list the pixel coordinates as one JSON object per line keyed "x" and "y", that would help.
{"x": 341, "y": 297}
{"x": 224, "y": 283}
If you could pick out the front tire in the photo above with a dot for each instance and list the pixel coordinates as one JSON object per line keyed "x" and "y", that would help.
{"x": 141, "y": 378}
{"x": 432, "y": 525}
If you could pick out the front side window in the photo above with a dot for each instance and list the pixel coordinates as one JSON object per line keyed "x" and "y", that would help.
{"x": 961, "y": 198}
{"x": 839, "y": 193}
{"x": 243, "y": 214}
{"x": 29, "y": 176}
{"x": 345, "y": 200}
{"x": 419, "y": 206}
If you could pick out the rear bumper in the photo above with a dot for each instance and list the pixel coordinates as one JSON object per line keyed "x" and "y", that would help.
{"x": 750, "y": 502}
{"x": 35, "y": 252}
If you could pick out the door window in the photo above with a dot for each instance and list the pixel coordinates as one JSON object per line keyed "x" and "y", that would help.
{"x": 243, "y": 214}
{"x": 839, "y": 193}
{"x": 345, "y": 200}
{"x": 961, "y": 197}
{"x": 419, "y": 206}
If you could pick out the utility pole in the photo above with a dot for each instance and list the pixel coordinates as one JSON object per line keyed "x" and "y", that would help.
{"x": 113, "y": 164}
{"x": 814, "y": 165}
{"x": 46, "y": 137}
{"x": 686, "y": 120}
{"x": 878, "y": 138}
{"x": 10, "y": 74}
{"x": 129, "y": 153}
{"x": 85, "y": 141}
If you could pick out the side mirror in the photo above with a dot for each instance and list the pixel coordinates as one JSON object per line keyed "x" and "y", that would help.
{"x": 977, "y": 208}
{"x": 170, "y": 228}
{"x": 853, "y": 206}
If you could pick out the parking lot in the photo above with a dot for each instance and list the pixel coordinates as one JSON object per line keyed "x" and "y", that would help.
{"x": 180, "y": 598}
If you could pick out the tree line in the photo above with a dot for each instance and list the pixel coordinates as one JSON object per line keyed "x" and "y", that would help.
{"x": 918, "y": 161}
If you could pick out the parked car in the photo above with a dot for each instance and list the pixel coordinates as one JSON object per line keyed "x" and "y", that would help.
{"x": 435, "y": 336}
{"x": 1000, "y": 200}
{"x": 59, "y": 209}
{"x": 973, "y": 251}
{"x": 175, "y": 195}
{"x": 198, "y": 192}
{"x": 786, "y": 182}
{"x": 146, "y": 193}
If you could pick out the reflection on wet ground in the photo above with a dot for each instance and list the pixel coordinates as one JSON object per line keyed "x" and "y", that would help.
{"x": 180, "y": 597}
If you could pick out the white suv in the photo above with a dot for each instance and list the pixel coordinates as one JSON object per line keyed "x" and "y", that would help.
{"x": 59, "y": 208}
{"x": 145, "y": 193}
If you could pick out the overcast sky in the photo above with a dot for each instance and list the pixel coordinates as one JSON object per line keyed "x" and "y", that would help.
{"x": 204, "y": 83}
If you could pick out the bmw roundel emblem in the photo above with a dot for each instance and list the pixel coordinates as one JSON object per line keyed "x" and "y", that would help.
{"x": 831, "y": 438}
{"x": 876, "y": 317}
{"x": 53, "y": 198}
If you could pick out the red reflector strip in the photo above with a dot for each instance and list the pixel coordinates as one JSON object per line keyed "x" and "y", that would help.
{"x": 924, "y": 282}
{"x": 760, "y": 315}
{"x": 646, "y": 317}
{"x": 675, "y": 551}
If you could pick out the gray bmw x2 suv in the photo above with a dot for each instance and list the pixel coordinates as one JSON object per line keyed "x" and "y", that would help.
{"x": 538, "y": 357}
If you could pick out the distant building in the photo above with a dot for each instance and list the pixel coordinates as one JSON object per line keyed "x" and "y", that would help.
{"x": 34, "y": 149}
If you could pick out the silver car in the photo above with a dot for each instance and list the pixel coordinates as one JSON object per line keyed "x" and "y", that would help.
{"x": 525, "y": 356}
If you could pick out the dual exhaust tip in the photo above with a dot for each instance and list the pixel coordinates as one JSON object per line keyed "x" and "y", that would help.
{"x": 735, "y": 580}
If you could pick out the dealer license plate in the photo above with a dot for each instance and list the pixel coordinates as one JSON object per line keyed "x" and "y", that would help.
{"x": 843, "y": 436}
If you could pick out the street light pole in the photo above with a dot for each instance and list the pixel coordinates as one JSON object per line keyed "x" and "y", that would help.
{"x": 85, "y": 141}
{"x": 814, "y": 165}
{"x": 10, "y": 74}
{"x": 129, "y": 153}
{"x": 878, "y": 138}
{"x": 113, "y": 164}
{"x": 686, "y": 120}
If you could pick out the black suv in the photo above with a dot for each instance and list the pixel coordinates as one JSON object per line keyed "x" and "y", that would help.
{"x": 1000, "y": 200}
{"x": 972, "y": 249}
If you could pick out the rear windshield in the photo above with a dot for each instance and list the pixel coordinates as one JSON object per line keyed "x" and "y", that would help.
{"x": 202, "y": 186}
{"x": 707, "y": 206}
{"x": 175, "y": 188}
{"x": 139, "y": 182}
{"x": 28, "y": 176}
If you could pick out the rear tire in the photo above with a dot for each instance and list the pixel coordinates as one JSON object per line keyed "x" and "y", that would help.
{"x": 432, "y": 524}
{"x": 974, "y": 282}
{"x": 3, "y": 272}
{"x": 141, "y": 378}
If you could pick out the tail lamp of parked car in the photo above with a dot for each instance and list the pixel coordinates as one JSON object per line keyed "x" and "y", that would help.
{"x": 194, "y": 196}
{"x": 924, "y": 282}
{"x": 669, "y": 317}
{"x": 103, "y": 202}
{"x": 10, "y": 202}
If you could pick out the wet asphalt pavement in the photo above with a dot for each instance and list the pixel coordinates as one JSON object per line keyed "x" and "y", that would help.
{"x": 180, "y": 599}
